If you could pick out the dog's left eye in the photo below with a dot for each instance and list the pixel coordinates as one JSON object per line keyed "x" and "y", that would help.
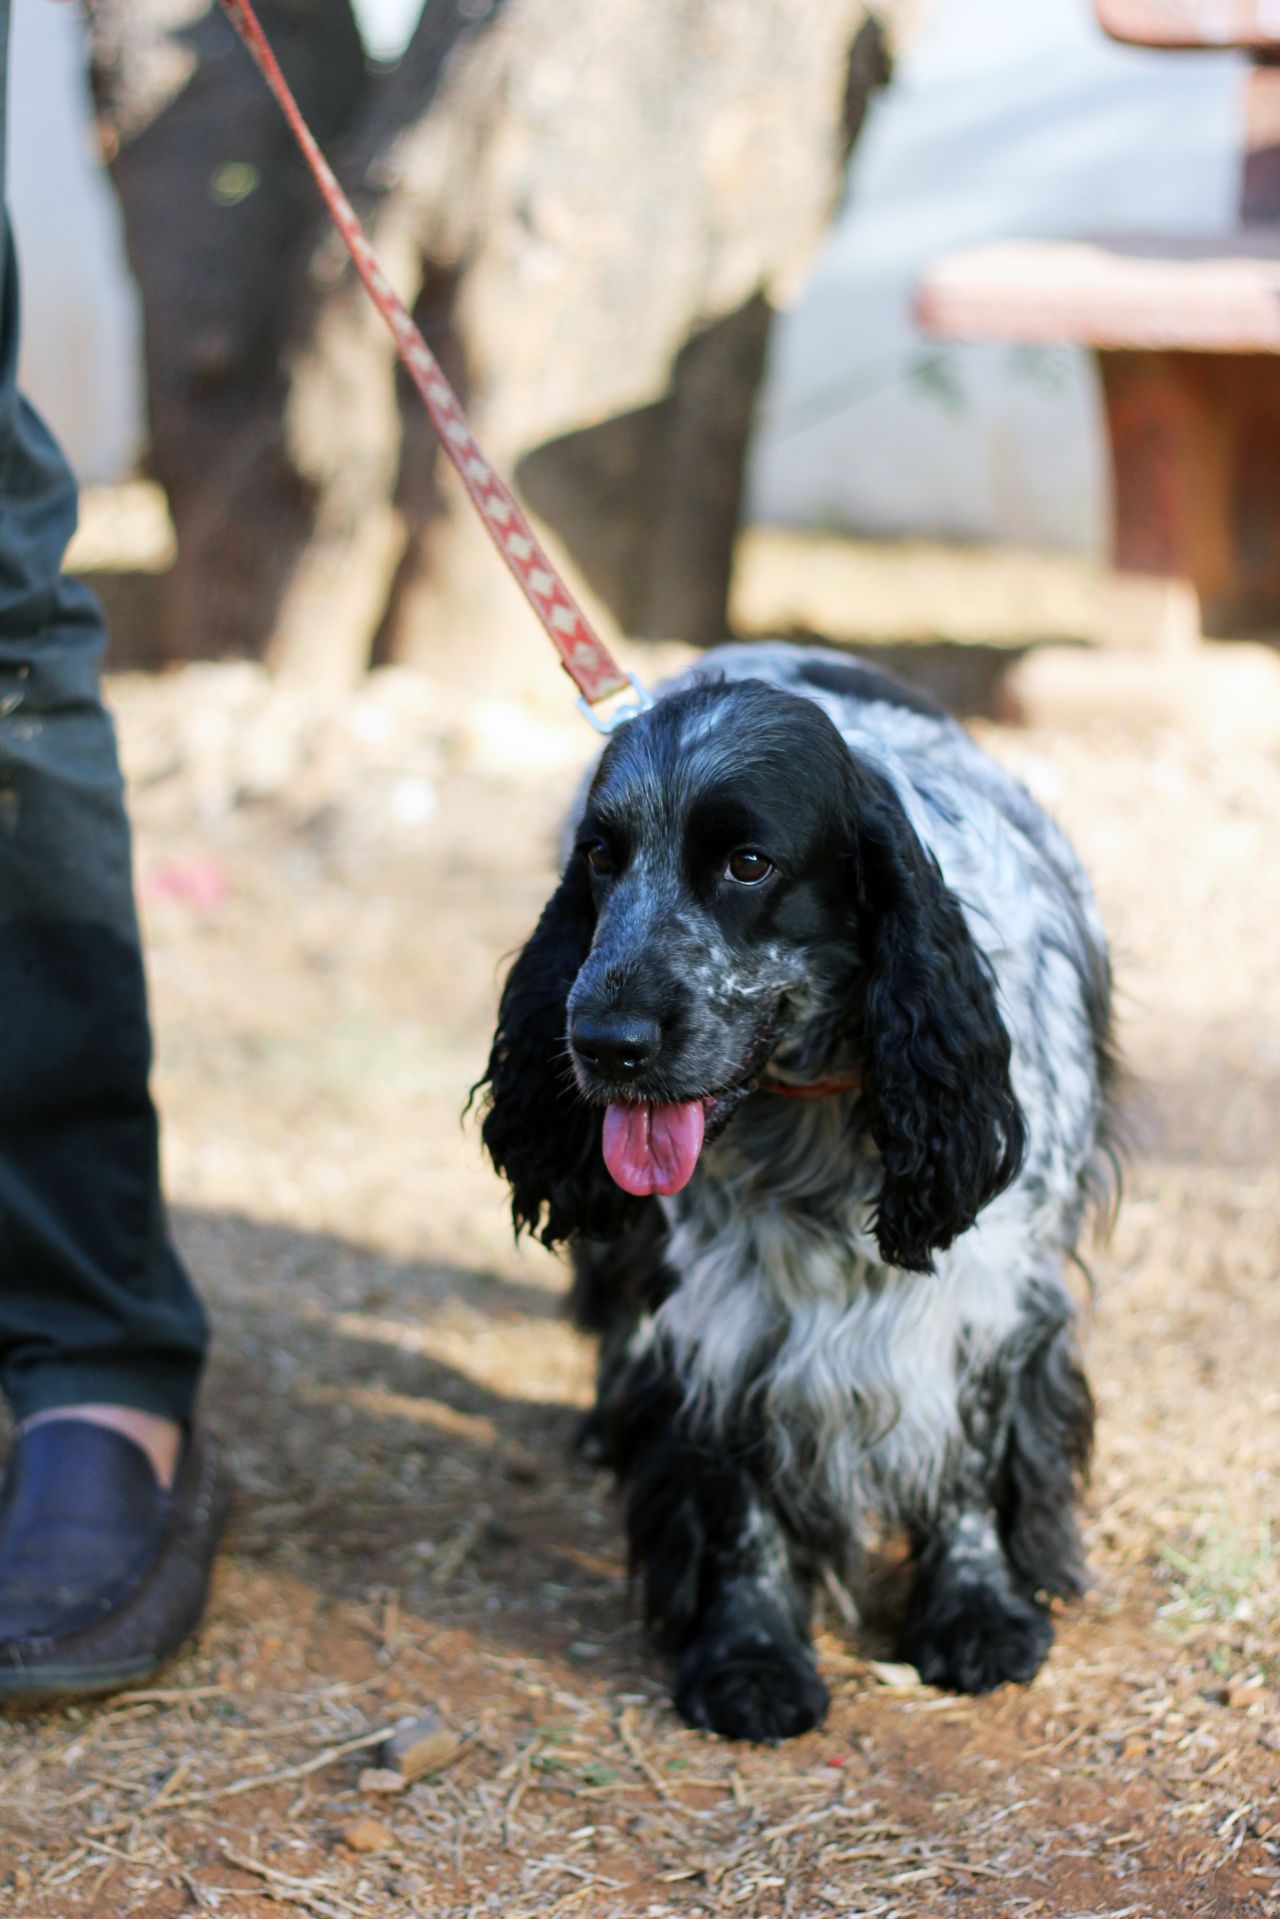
{"x": 748, "y": 867}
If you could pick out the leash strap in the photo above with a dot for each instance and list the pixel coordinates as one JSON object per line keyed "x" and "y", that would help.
{"x": 583, "y": 655}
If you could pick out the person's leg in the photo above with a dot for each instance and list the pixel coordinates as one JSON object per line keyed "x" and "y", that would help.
{"x": 102, "y": 1337}
{"x": 94, "y": 1306}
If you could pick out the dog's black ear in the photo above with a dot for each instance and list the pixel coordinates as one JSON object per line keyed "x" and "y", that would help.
{"x": 539, "y": 1132}
{"x": 944, "y": 1116}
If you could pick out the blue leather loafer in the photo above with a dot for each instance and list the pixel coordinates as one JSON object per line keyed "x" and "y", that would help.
{"x": 103, "y": 1574}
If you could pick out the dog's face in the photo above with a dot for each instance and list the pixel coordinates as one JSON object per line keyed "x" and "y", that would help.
{"x": 717, "y": 858}
{"x": 743, "y": 889}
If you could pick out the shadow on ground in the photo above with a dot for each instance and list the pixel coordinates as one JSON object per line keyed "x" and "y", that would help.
{"x": 375, "y": 1453}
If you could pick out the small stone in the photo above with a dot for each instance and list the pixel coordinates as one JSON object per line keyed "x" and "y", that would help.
{"x": 382, "y": 1779}
{"x": 421, "y": 1744}
{"x": 525, "y": 1471}
{"x": 367, "y": 1835}
{"x": 887, "y": 1673}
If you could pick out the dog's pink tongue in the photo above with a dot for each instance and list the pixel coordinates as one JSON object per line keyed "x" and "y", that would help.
{"x": 653, "y": 1149}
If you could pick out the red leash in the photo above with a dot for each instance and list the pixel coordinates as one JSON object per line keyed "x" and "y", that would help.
{"x": 583, "y": 655}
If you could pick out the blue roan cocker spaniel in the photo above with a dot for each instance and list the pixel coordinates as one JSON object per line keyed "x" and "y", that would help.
{"x": 808, "y": 1062}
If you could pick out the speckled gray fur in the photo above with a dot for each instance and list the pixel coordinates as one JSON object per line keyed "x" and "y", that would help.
{"x": 857, "y": 1397}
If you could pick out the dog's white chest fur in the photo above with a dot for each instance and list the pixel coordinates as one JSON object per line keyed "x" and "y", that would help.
{"x": 782, "y": 1292}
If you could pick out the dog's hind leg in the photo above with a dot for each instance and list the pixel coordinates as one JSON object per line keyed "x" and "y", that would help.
{"x": 1048, "y": 1444}
{"x": 722, "y": 1585}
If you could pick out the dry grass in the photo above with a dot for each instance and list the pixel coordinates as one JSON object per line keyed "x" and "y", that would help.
{"x": 329, "y": 888}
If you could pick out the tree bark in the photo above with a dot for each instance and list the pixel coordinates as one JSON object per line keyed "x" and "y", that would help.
{"x": 593, "y": 210}
{"x": 220, "y": 224}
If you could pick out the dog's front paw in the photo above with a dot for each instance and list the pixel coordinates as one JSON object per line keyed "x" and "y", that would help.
{"x": 750, "y": 1688}
{"x": 971, "y": 1638}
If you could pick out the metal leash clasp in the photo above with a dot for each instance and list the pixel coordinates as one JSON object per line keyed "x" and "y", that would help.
{"x": 607, "y": 723}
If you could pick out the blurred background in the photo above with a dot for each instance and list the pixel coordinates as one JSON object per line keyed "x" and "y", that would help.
{"x": 672, "y": 254}
{"x": 793, "y": 328}
{"x": 1004, "y": 118}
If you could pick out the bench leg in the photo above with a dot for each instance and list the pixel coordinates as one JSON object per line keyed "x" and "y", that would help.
{"x": 1195, "y": 465}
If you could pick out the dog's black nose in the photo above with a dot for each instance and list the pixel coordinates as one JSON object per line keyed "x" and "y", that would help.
{"x": 617, "y": 1045}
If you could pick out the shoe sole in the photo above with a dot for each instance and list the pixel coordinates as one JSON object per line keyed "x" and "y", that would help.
{"x": 47, "y": 1688}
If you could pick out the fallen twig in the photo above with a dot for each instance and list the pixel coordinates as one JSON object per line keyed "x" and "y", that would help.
{"x": 319, "y": 1899}
{"x": 258, "y": 1783}
{"x": 641, "y": 1760}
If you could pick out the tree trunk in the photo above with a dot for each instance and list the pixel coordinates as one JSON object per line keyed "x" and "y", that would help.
{"x": 220, "y": 224}
{"x": 592, "y": 209}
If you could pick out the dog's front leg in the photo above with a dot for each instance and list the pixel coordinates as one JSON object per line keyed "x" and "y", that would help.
{"x": 722, "y": 1586}
{"x": 1006, "y": 1533}
{"x": 973, "y": 1627}
{"x": 749, "y": 1670}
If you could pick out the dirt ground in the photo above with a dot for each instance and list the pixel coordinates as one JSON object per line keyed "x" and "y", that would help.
{"x": 329, "y": 885}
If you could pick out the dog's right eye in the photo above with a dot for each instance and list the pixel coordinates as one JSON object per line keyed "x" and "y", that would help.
{"x": 599, "y": 858}
{"x": 748, "y": 867}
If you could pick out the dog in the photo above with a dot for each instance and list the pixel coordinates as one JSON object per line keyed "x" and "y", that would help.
{"x": 809, "y": 1063}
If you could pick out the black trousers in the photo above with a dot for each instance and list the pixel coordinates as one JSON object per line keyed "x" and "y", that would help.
{"x": 94, "y": 1304}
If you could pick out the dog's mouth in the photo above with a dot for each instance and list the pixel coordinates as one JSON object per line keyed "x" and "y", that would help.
{"x": 653, "y": 1146}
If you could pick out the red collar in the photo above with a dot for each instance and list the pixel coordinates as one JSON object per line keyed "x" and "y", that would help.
{"x": 814, "y": 1089}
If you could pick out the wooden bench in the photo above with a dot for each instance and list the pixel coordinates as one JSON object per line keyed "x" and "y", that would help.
{"x": 1252, "y": 24}
{"x": 1187, "y": 338}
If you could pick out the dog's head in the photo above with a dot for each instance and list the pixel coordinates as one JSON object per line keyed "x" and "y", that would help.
{"x": 743, "y": 890}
